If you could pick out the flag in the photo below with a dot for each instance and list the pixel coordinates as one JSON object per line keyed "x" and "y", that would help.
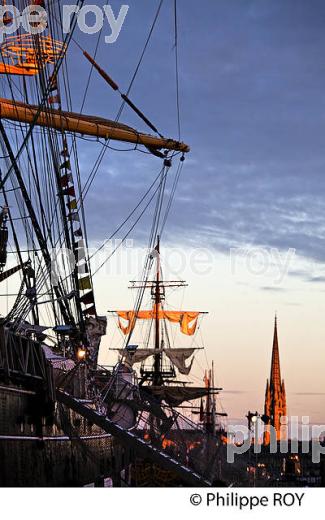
{"x": 83, "y": 269}
{"x": 74, "y": 217}
{"x": 7, "y": 19}
{"x": 78, "y": 233}
{"x": 53, "y": 84}
{"x": 54, "y": 99}
{"x": 87, "y": 298}
{"x": 65, "y": 179}
{"x": 84, "y": 283}
{"x": 65, "y": 151}
{"x": 154, "y": 253}
{"x": 65, "y": 164}
{"x": 69, "y": 191}
{"x": 72, "y": 204}
{"x": 91, "y": 310}
{"x": 80, "y": 243}
{"x": 38, "y": 2}
{"x": 80, "y": 254}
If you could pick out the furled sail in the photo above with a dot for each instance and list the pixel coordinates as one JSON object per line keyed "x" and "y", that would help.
{"x": 186, "y": 319}
{"x": 176, "y": 395}
{"x": 178, "y": 356}
{"x": 139, "y": 355}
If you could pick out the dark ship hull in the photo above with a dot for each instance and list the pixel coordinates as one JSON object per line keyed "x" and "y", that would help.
{"x": 41, "y": 443}
{"x": 53, "y": 432}
{"x": 34, "y": 452}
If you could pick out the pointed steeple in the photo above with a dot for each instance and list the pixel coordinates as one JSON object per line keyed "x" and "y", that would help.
{"x": 275, "y": 398}
{"x": 275, "y": 377}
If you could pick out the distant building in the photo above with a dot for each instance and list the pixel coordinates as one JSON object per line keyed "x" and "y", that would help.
{"x": 275, "y": 397}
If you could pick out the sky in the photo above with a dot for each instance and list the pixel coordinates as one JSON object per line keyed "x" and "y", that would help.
{"x": 252, "y": 109}
{"x": 250, "y": 199}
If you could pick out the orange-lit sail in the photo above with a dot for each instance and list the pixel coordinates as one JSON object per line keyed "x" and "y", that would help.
{"x": 186, "y": 319}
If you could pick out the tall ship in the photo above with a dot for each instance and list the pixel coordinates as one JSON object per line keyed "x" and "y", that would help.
{"x": 160, "y": 370}
{"x": 64, "y": 419}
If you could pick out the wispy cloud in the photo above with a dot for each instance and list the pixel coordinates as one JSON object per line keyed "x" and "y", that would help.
{"x": 273, "y": 289}
{"x": 310, "y": 393}
{"x": 234, "y": 392}
{"x": 254, "y": 116}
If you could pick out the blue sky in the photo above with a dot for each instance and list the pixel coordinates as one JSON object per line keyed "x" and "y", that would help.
{"x": 252, "y": 109}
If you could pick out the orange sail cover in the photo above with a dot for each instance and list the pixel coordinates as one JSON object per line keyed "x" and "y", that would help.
{"x": 186, "y": 319}
{"x": 24, "y": 59}
{"x": 18, "y": 70}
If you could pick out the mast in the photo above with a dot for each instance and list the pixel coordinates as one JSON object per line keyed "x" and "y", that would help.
{"x": 157, "y": 300}
{"x": 157, "y": 375}
{"x": 214, "y": 410}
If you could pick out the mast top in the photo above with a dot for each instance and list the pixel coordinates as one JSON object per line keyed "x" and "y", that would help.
{"x": 24, "y": 59}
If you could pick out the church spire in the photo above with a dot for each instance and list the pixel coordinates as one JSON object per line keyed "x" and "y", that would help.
{"x": 275, "y": 377}
{"x": 275, "y": 398}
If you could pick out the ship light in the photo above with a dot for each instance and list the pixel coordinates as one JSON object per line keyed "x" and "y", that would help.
{"x": 81, "y": 354}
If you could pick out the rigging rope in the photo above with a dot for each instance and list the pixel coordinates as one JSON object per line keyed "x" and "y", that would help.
{"x": 133, "y": 225}
{"x": 128, "y": 217}
{"x": 34, "y": 179}
{"x": 97, "y": 164}
{"x": 177, "y": 70}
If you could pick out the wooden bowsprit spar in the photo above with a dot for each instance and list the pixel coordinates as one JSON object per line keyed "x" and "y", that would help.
{"x": 86, "y": 125}
{"x": 130, "y": 439}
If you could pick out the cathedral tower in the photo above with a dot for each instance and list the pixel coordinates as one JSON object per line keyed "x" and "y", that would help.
{"x": 275, "y": 397}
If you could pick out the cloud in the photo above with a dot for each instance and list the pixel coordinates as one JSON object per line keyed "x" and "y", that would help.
{"x": 252, "y": 110}
{"x": 309, "y": 393}
{"x": 273, "y": 289}
{"x": 316, "y": 279}
{"x": 234, "y": 392}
